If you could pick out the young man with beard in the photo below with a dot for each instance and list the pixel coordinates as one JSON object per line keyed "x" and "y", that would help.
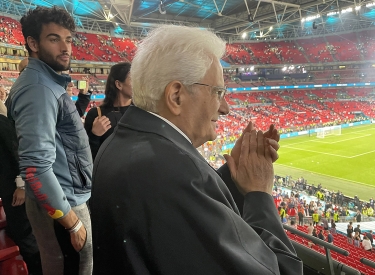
{"x": 55, "y": 159}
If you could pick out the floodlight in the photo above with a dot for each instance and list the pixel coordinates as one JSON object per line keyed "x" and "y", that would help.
{"x": 333, "y": 13}
{"x": 244, "y": 35}
{"x": 162, "y": 9}
{"x": 346, "y": 10}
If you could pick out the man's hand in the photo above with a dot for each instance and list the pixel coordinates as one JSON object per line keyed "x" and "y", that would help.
{"x": 254, "y": 171}
{"x": 100, "y": 126}
{"x": 78, "y": 239}
{"x": 18, "y": 197}
{"x": 272, "y": 138}
{"x": 236, "y": 151}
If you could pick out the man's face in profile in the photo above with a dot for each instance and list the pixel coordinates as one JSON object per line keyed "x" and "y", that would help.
{"x": 55, "y": 47}
{"x": 204, "y": 107}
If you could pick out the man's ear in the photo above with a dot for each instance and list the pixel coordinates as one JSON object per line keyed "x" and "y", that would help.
{"x": 33, "y": 44}
{"x": 173, "y": 96}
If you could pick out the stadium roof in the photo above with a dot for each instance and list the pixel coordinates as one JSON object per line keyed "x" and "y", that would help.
{"x": 255, "y": 19}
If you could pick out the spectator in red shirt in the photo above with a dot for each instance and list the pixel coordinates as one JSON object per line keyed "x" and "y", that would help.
{"x": 292, "y": 212}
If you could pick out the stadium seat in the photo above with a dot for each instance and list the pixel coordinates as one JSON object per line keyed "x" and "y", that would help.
{"x": 3, "y": 220}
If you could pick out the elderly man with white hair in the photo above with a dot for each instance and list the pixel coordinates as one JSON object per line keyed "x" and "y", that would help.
{"x": 157, "y": 205}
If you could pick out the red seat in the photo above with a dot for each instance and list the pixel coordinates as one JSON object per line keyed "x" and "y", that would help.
{"x": 10, "y": 264}
{"x": 13, "y": 266}
{"x": 8, "y": 253}
{"x": 5, "y": 241}
{"x": 3, "y": 219}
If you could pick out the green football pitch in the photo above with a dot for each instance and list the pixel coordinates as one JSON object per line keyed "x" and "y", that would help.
{"x": 343, "y": 162}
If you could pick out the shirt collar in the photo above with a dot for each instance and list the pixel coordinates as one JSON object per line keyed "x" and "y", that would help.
{"x": 172, "y": 125}
{"x": 39, "y": 65}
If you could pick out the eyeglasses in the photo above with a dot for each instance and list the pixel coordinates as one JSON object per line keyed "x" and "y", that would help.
{"x": 220, "y": 91}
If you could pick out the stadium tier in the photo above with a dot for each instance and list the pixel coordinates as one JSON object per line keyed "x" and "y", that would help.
{"x": 100, "y": 47}
{"x": 322, "y": 109}
{"x": 340, "y": 240}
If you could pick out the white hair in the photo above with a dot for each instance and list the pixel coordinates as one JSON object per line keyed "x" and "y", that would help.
{"x": 171, "y": 53}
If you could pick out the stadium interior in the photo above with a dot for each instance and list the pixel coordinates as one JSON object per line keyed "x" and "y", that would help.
{"x": 299, "y": 64}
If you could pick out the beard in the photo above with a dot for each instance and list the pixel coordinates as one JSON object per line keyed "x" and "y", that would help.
{"x": 51, "y": 61}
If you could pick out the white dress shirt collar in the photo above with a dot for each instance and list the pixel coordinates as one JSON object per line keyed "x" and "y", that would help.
{"x": 171, "y": 124}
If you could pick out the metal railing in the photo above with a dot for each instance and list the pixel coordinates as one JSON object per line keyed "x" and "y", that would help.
{"x": 367, "y": 262}
{"x": 327, "y": 247}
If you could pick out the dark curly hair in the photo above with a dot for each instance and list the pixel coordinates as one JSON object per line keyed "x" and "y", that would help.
{"x": 118, "y": 72}
{"x": 33, "y": 21}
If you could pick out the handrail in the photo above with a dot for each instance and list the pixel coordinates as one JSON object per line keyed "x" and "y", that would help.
{"x": 367, "y": 262}
{"x": 316, "y": 240}
{"x": 327, "y": 246}
{"x": 315, "y": 260}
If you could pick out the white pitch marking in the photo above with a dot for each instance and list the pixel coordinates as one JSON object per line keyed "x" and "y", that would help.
{"x": 312, "y": 172}
{"x": 362, "y": 154}
{"x": 342, "y": 139}
{"x": 319, "y": 152}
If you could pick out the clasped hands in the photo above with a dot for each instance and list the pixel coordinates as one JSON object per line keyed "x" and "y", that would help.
{"x": 250, "y": 162}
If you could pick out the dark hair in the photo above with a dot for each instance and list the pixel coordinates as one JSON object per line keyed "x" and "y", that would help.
{"x": 33, "y": 21}
{"x": 118, "y": 72}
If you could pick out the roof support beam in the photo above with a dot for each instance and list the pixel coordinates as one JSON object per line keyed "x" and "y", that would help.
{"x": 280, "y": 3}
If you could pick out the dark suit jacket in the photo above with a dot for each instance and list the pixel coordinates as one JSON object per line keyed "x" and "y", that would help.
{"x": 159, "y": 208}
{"x": 369, "y": 235}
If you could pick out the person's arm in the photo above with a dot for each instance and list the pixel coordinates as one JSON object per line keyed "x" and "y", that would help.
{"x": 96, "y": 127}
{"x": 254, "y": 178}
{"x": 83, "y": 101}
{"x": 94, "y": 140}
{"x": 194, "y": 223}
{"x": 265, "y": 207}
{"x": 35, "y": 114}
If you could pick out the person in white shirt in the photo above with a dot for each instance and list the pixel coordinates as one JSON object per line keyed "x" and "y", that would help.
{"x": 310, "y": 229}
{"x": 366, "y": 243}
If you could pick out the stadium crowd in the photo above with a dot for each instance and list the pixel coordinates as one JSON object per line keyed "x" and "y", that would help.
{"x": 46, "y": 152}
{"x": 316, "y": 211}
{"x": 346, "y": 47}
{"x": 154, "y": 145}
